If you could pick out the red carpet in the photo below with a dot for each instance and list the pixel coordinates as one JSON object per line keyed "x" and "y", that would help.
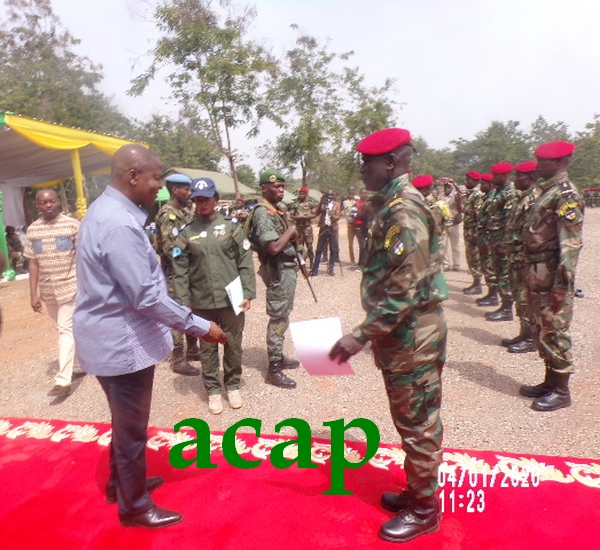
{"x": 53, "y": 473}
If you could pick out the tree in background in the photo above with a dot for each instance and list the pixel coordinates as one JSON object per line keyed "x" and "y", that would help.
{"x": 583, "y": 169}
{"x": 41, "y": 77}
{"x": 217, "y": 74}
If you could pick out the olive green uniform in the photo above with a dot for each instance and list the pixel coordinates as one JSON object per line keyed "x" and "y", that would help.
{"x": 302, "y": 213}
{"x": 210, "y": 253}
{"x": 266, "y": 224}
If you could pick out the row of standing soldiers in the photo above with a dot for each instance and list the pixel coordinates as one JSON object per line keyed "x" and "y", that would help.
{"x": 524, "y": 241}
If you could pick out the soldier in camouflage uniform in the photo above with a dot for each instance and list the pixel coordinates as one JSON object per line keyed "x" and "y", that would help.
{"x": 551, "y": 246}
{"x": 503, "y": 202}
{"x": 525, "y": 177}
{"x": 439, "y": 209}
{"x": 402, "y": 289}
{"x": 473, "y": 203}
{"x": 483, "y": 242}
{"x": 271, "y": 237}
{"x": 171, "y": 218}
{"x": 302, "y": 211}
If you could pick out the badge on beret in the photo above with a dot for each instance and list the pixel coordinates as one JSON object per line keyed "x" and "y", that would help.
{"x": 272, "y": 178}
{"x": 174, "y": 232}
{"x": 176, "y": 252}
{"x": 246, "y": 244}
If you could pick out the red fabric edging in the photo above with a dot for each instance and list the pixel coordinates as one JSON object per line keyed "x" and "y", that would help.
{"x": 54, "y": 473}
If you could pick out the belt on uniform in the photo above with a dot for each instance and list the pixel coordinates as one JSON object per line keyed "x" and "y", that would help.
{"x": 540, "y": 257}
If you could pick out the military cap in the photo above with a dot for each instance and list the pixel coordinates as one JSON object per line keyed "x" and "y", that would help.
{"x": 304, "y": 190}
{"x": 422, "y": 181}
{"x": 179, "y": 178}
{"x": 271, "y": 176}
{"x": 555, "y": 150}
{"x": 384, "y": 141}
{"x": 203, "y": 187}
{"x": 474, "y": 175}
{"x": 487, "y": 177}
{"x": 501, "y": 168}
{"x": 526, "y": 167}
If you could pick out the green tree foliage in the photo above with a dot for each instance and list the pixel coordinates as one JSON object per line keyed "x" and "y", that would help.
{"x": 41, "y": 77}
{"x": 178, "y": 143}
{"x": 583, "y": 169}
{"x": 217, "y": 73}
{"x": 247, "y": 175}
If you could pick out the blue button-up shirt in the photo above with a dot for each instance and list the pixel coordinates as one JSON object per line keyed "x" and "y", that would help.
{"x": 123, "y": 306}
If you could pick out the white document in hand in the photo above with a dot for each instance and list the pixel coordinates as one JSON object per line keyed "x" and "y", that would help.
{"x": 313, "y": 341}
{"x": 236, "y": 294}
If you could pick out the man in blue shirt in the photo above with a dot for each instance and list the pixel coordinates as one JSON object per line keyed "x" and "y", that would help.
{"x": 121, "y": 324}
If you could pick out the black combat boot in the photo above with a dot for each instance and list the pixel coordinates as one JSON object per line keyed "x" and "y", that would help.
{"x": 524, "y": 334}
{"x": 524, "y": 346}
{"x": 395, "y": 502}
{"x": 538, "y": 390}
{"x": 180, "y": 365}
{"x": 276, "y": 376}
{"x": 193, "y": 349}
{"x": 474, "y": 289}
{"x": 503, "y": 313}
{"x": 558, "y": 397}
{"x": 490, "y": 299}
{"x": 288, "y": 363}
{"x": 416, "y": 518}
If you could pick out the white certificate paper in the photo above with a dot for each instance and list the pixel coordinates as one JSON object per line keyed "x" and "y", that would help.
{"x": 313, "y": 341}
{"x": 236, "y": 294}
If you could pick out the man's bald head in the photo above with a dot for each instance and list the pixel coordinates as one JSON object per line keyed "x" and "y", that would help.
{"x": 136, "y": 173}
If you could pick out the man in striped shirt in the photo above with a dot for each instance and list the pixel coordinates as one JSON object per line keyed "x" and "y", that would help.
{"x": 50, "y": 247}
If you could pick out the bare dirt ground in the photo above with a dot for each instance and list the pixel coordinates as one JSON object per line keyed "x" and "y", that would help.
{"x": 481, "y": 408}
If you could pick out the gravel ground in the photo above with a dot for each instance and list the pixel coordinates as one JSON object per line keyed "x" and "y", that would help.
{"x": 481, "y": 406}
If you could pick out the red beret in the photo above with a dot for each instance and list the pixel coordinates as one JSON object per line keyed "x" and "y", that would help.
{"x": 487, "y": 177}
{"x": 422, "y": 181}
{"x": 474, "y": 175}
{"x": 555, "y": 150}
{"x": 501, "y": 168}
{"x": 303, "y": 189}
{"x": 384, "y": 141}
{"x": 526, "y": 167}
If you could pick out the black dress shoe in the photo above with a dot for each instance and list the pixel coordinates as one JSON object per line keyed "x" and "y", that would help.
{"x": 154, "y": 518}
{"x": 412, "y": 521}
{"x": 151, "y": 484}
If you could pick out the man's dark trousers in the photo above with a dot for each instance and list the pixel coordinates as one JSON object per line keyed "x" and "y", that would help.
{"x": 129, "y": 398}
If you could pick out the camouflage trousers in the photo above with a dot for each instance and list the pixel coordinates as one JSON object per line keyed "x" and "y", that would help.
{"x": 487, "y": 262}
{"x": 233, "y": 326}
{"x": 411, "y": 361}
{"x": 500, "y": 266}
{"x": 472, "y": 254}
{"x": 280, "y": 302}
{"x": 305, "y": 241}
{"x": 517, "y": 288}
{"x": 551, "y": 332}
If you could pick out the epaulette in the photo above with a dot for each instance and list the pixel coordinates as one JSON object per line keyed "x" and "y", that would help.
{"x": 395, "y": 201}
{"x": 566, "y": 187}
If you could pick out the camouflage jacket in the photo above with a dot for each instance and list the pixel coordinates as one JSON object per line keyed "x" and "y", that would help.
{"x": 553, "y": 228}
{"x": 473, "y": 203}
{"x": 441, "y": 213}
{"x": 513, "y": 235}
{"x": 302, "y": 212}
{"x": 402, "y": 273}
{"x": 265, "y": 224}
{"x": 484, "y": 213}
{"x": 169, "y": 221}
{"x": 500, "y": 208}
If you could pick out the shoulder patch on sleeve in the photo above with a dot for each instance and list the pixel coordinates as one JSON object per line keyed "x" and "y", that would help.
{"x": 389, "y": 237}
{"x": 567, "y": 210}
